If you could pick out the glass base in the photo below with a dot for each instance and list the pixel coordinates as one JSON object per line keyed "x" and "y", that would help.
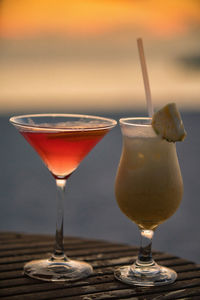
{"x": 145, "y": 275}
{"x": 57, "y": 270}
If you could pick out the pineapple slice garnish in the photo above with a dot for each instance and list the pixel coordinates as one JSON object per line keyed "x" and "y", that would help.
{"x": 168, "y": 124}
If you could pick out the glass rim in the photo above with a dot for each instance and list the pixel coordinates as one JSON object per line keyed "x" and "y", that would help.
{"x": 14, "y": 120}
{"x": 137, "y": 121}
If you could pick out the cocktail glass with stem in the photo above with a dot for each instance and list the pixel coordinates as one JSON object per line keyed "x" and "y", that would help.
{"x": 62, "y": 141}
{"x": 148, "y": 190}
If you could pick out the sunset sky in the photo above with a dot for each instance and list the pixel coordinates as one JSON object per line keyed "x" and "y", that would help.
{"x": 21, "y": 18}
{"x": 84, "y": 52}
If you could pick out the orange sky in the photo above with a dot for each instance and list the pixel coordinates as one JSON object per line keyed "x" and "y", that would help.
{"x": 21, "y": 18}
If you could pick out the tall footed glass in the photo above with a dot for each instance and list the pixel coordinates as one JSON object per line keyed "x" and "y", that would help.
{"x": 148, "y": 190}
{"x": 62, "y": 141}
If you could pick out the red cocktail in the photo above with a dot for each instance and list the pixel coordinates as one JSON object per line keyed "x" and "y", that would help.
{"x": 63, "y": 151}
{"x": 62, "y": 141}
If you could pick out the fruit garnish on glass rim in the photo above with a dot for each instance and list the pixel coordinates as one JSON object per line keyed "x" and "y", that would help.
{"x": 168, "y": 124}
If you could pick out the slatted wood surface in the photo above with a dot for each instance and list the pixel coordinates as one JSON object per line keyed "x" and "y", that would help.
{"x": 16, "y": 249}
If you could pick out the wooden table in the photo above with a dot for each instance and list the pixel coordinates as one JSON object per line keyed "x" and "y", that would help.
{"x": 16, "y": 249}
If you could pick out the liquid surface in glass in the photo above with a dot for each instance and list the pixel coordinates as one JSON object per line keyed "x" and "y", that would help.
{"x": 149, "y": 185}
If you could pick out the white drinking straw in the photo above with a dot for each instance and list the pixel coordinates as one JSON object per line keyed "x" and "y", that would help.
{"x": 145, "y": 77}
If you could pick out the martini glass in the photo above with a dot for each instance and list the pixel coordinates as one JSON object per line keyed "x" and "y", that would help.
{"x": 148, "y": 190}
{"x": 62, "y": 141}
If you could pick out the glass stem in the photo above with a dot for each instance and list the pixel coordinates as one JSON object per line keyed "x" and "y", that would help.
{"x": 59, "y": 247}
{"x": 145, "y": 254}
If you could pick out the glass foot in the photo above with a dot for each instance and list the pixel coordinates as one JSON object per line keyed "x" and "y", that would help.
{"x": 57, "y": 270}
{"x": 150, "y": 275}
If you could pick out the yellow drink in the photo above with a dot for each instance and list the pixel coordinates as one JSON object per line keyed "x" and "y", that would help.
{"x": 149, "y": 185}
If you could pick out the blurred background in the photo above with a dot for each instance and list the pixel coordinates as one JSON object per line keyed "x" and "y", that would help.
{"x": 81, "y": 57}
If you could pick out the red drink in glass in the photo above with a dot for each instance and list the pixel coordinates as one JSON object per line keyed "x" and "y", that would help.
{"x": 63, "y": 151}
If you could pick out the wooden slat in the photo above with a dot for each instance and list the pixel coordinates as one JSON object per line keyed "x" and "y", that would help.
{"x": 108, "y": 258}
{"x": 97, "y": 263}
{"x": 91, "y": 290}
{"x": 182, "y": 294}
{"x": 47, "y": 243}
{"x": 102, "y": 263}
{"x": 106, "y": 270}
{"x": 75, "y": 252}
{"x": 96, "y": 278}
{"x": 16, "y": 249}
{"x": 112, "y": 253}
{"x": 18, "y": 239}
